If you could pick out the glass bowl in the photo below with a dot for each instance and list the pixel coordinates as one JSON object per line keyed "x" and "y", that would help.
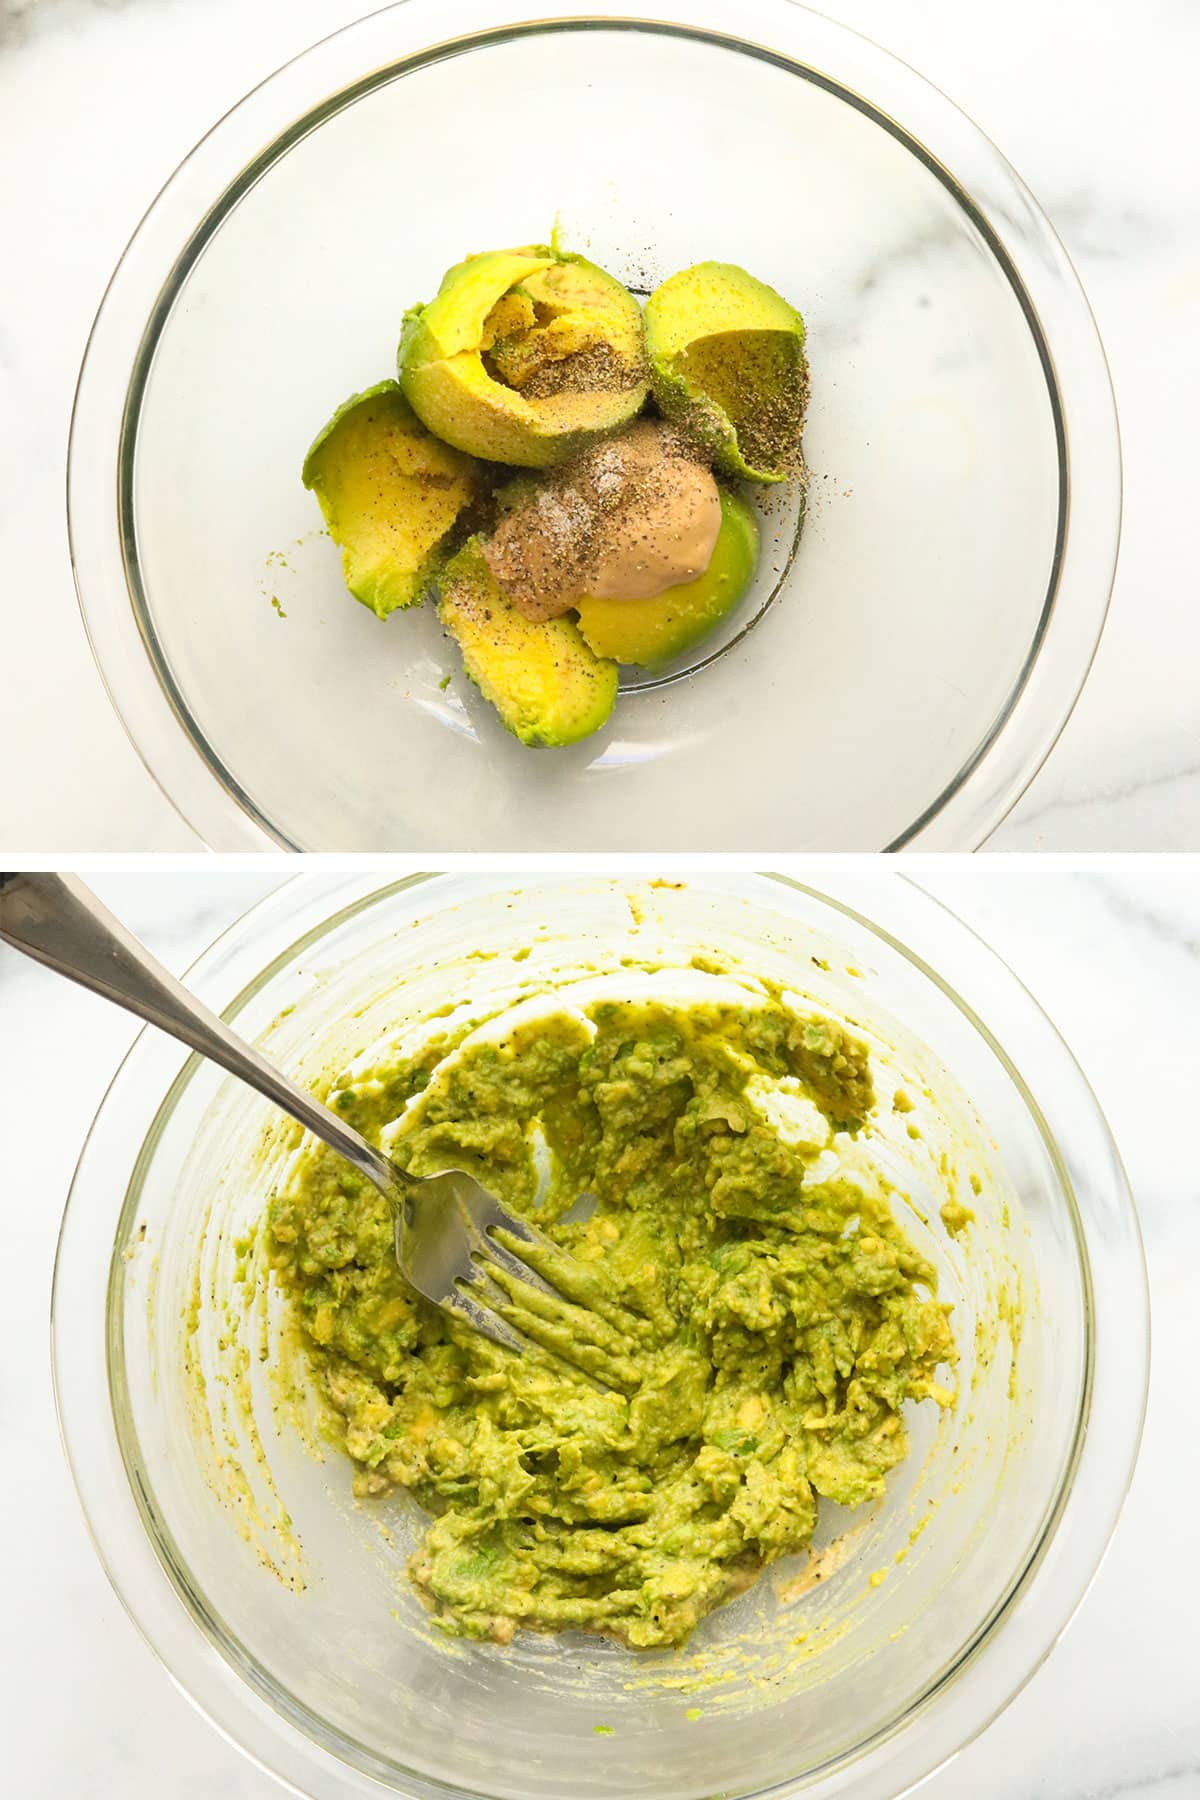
{"x": 280, "y": 1605}
{"x": 925, "y": 637}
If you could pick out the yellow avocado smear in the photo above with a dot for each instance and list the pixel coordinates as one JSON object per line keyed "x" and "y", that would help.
{"x": 739, "y": 1279}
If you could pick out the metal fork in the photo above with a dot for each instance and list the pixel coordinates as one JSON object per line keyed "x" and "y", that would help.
{"x": 445, "y": 1224}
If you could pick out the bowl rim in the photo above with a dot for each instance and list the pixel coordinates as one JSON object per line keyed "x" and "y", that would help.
{"x": 963, "y": 1698}
{"x": 297, "y": 98}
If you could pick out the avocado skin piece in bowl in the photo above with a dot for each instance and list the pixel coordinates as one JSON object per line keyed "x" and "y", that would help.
{"x": 654, "y": 632}
{"x": 391, "y": 495}
{"x": 524, "y": 356}
{"x": 546, "y": 684}
{"x": 728, "y": 367}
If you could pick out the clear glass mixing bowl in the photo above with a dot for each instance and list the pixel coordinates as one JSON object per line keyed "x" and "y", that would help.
{"x": 926, "y": 637}
{"x": 280, "y": 1605}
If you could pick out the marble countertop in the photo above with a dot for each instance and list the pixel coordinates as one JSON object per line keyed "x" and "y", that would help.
{"x": 1115, "y": 960}
{"x": 99, "y": 99}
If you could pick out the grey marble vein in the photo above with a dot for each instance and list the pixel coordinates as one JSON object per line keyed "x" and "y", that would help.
{"x": 19, "y": 19}
{"x": 1143, "y": 913}
{"x": 1180, "y": 1783}
{"x": 1113, "y": 793}
{"x": 1092, "y": 226}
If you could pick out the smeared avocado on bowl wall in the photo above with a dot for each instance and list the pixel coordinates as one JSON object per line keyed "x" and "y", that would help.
{"x": 654, "y": 632}
{"x": 548, "y": 687}
{"x": 524, "y": 356}
{"x": 391, "y": 495}
{"x": 728, "y": 366}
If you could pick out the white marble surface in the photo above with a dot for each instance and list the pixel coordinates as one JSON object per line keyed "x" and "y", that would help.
{"x": 84, "y": 1708}
{"x": 1092, "y": 100}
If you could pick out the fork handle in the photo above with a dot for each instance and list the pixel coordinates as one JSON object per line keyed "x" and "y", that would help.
{"x": 59, "y": 922}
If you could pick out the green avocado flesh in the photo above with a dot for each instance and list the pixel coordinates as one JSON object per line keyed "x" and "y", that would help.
{"x": 728, "y": 366}
{"x": 390, "y": 494}
{"x": 741, "y": 1286}
{"x": 525, "y": 356}
{"x": 654, "y": 632}
{"x": 548, "y": 687}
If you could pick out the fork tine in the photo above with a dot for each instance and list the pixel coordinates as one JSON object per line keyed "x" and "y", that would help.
{"x": 513, "y": 1223}
{"x": 483, "y": 1284}
{"x": 486, "y": 1322}
{"x": 563, "y": 1339}
{"x": 560, "y": 1276}
{"x": 497, "y": 1292}
{"x": 482, "y": 1215}
{"x": 493, "y": 1251}
{"x": 560, "y": 1337}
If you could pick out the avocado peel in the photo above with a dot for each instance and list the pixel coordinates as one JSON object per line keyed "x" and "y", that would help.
{"x": 524, "y": 356}
{"x": 547, "y": 685}
{"x": 392, "y": 495}
{"x": 728, "y": 366}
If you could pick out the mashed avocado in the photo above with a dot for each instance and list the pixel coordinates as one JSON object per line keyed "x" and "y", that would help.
{"x": 758, "y": 1313}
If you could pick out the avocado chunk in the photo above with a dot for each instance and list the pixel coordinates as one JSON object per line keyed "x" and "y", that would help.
{"x": 540, "y": 676}
{"x": 391, "y": 495}
{"x": 728, "y": 366}
{"x": 525, "y": 356}
{"x": 654, "y": 632}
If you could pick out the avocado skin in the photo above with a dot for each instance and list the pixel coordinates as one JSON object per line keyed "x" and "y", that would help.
{"x": 440, "y": 364}
{"x": 654, "y": 632}
{"x": 393, "y": 521}
{"x": 545, "y": 683}
{"x": 453, "y": 321}
{"x": 699, "y": 306}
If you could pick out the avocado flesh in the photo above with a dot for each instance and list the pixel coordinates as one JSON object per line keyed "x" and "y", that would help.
{"x": 455, "y": 319}
{"x": 546, "y": 684}
{"x": 728, "y": 366}
{"x": 654, "y": 632}
{"x": 525, "y": 356}
{"x": 391, "y": 495}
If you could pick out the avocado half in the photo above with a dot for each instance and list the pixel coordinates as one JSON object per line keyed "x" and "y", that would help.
{"x": 728, "y": 366}
{"x": 524, "y": 356}
{"x": 654, "y": 632}
{"x": 548, "y": 687}
{"x": 391, "y": 495}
